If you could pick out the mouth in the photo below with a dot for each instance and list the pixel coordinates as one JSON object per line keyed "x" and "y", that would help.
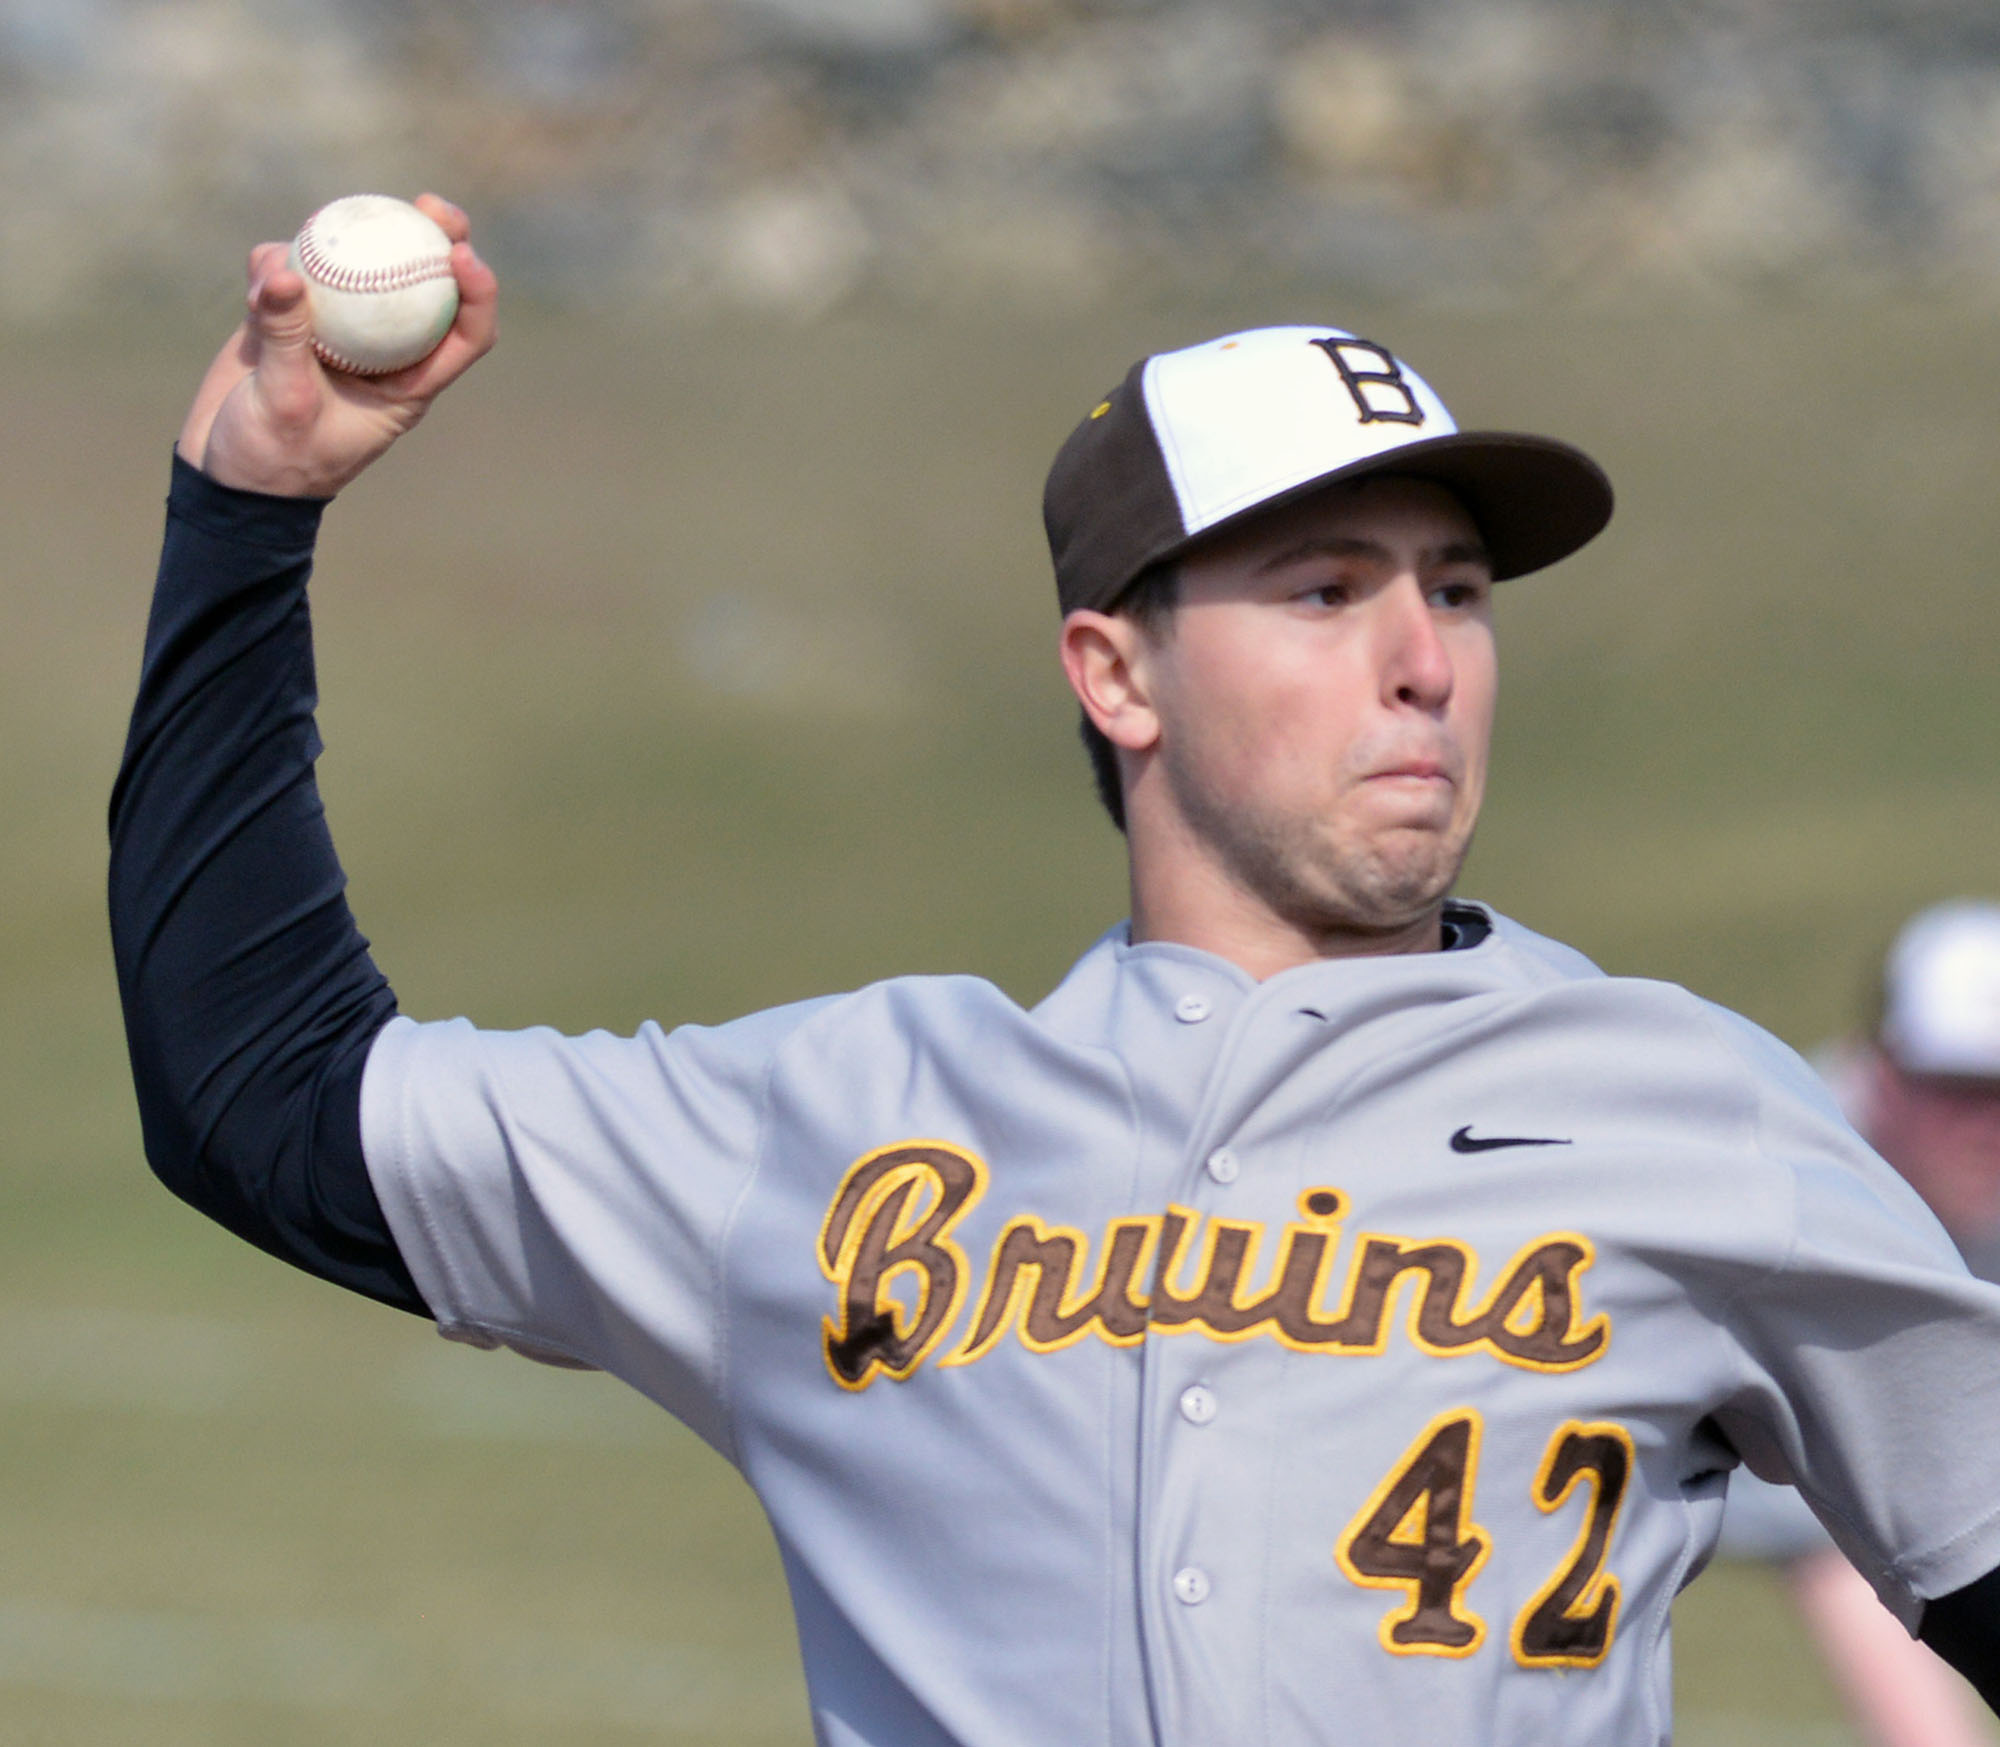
{"x": 1421, "y": 770}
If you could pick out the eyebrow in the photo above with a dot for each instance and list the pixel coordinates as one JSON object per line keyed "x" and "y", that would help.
{"x": 1347, "y": 546}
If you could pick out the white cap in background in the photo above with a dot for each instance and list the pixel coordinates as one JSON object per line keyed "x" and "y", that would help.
{"x": 1941, "y": 992}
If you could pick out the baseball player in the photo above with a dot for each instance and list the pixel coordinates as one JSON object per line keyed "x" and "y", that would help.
{"x": 1333, "y": 1313}
{"x": 1923, "y": 1086}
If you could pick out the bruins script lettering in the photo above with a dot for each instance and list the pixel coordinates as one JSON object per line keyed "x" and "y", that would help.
{"x": 901, "y": 1281}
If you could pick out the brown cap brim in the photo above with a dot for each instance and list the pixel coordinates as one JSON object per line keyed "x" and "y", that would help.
{"x": 1534, "y": 500}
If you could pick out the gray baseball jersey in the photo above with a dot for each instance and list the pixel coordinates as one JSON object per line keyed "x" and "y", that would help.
{"x": 1768, "y": 1521}
{"x": 1354, "y": 1355}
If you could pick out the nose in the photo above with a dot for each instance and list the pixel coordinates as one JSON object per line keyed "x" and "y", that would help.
{"x": 1414, "y": 665}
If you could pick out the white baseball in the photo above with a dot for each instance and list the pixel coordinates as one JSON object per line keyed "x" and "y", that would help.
{"x": 379, "y": 281}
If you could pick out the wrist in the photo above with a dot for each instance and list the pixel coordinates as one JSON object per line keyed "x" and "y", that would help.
{"x": 280, "y": 521}
{"x": 263, "y": 477}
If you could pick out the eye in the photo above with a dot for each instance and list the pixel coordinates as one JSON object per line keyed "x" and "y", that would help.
{"x": 1326, "y": 594}
{"x": 1459, "y": 592}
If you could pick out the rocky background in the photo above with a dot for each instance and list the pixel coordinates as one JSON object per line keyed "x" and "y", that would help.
{"x": 791, "y": 154}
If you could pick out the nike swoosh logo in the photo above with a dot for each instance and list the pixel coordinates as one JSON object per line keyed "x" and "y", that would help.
{"x": 1465, "y": 1141}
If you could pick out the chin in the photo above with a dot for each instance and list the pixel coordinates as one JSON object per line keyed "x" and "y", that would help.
{"x": 1395, "y": 888}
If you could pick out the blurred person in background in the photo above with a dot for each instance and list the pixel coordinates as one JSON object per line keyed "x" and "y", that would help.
{"x": 1923, "y": 1088}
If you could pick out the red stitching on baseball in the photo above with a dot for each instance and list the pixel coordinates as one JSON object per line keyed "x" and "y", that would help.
{"x": 340, "y": 361}
{"x": 323, "y": 269}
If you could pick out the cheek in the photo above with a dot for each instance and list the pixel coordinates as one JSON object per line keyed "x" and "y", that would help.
{"x": 1976, "y": 1134}
{"x": 1295, "y": 728}
{"x": 1475, "y": 690}
{"x": 1244, "y": 706}
{"x": 1943, "y": 1139}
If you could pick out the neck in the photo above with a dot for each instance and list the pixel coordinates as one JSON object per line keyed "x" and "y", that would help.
{"x": 1202, "y": 908}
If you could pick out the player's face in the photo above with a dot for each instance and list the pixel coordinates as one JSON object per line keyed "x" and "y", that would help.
{"x": 1324, "y": 698}
{"x": 1943, "y": 1134}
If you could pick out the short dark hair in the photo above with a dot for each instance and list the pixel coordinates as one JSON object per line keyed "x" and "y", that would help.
{"x": 1149, "y": 602}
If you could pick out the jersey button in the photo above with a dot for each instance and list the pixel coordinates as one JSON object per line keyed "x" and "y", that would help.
{"x": 1223, "y": 1166}
{"x": 1192, "y": 1009}
{"x": 1198, "y": 1404}
{"x": 1191, "y": 1585}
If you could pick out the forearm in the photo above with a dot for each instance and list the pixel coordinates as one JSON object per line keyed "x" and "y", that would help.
{"x": 250, "y": 999}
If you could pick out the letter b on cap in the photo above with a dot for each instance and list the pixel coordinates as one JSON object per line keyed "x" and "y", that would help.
{"x": 1386, "y": 380}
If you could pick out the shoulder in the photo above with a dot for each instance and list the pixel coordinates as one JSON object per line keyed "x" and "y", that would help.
{"x": 1550, "y": 974}
{"x": 1695, "y": 1095}
{"x": 914, "y": 1005}
{"x": 1657, "y": 1046}
{"x": 454, "y": 1070}
{"x": 1545, "y": 960}
{"x": 881, "y": 1029}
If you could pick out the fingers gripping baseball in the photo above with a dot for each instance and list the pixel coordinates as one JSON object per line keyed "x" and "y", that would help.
{"x": 269, "y": 416}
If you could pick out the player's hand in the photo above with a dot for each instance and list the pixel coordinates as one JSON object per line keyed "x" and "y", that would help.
{"x": 270, "y": 417}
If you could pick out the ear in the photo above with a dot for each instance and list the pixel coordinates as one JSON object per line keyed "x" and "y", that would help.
{"x": 1103, "y": 656}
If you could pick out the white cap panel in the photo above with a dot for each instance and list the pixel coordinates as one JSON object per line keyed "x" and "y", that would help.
{"x": 1248, "y": 416}
{"x": 1942, "y": 1014}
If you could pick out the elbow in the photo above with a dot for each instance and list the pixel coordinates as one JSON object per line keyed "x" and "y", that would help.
{"x": 170, "y": 1130}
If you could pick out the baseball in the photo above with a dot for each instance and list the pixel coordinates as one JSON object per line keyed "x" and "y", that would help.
{"x": 378, "y": 277}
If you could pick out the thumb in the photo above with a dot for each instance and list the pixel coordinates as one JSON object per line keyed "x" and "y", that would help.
{"x": 289, "y": 378}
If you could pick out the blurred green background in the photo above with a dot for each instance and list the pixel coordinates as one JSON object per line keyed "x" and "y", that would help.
{"x": 675, "y": 669}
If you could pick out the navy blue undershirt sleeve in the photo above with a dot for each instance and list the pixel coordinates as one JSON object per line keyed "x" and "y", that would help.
{"x": 1964, "y": 1628}
{"x": 250, "y": 999}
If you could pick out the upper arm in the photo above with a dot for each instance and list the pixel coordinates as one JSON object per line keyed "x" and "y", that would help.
{"x": 1872, "y": 1355}
{"x": 570, "y": 1196}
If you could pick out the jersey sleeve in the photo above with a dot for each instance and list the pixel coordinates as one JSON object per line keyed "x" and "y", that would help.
{"x": 1874, "y": 1357}
{"x": 569, "y": 1197}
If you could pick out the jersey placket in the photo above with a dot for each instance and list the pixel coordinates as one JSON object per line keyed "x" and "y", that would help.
{"x": 1204, "y": 1506}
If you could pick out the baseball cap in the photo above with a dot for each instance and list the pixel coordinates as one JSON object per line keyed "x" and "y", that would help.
{"x": 1198, "y": 439}
{"x": 1941, "y": 992}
